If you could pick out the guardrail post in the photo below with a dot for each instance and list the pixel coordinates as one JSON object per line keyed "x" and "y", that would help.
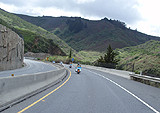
{"x": 140, "y": 73}
{"x": 146, "y": 80}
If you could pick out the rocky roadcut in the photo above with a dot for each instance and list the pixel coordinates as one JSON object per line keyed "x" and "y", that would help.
{"x": 11, "y": 49}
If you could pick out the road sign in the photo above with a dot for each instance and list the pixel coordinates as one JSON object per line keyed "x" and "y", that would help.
{"x": 72, "y": 59}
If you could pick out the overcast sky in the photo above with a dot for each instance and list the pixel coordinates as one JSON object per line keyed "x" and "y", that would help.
{"x": 142, "y": 15}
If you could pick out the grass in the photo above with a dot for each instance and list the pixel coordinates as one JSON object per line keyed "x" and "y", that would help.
{"x": 35, "y": 43}
{"x": 144, "y": 57}
{"x": 88, "y": 56}
{"x": 84, "y": 57}
{"x": 17, "y": 23}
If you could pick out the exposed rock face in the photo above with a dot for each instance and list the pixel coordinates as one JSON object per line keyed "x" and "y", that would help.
{"x": 11, "y": 49}
{"x": 37, "y": 55}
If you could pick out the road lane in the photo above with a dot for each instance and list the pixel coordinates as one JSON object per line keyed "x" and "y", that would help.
{"x": 149, "y": 94}
{"x": 89, "y": 93}
{"x": 127, "y": 91}
{"x": 31, "y": 67}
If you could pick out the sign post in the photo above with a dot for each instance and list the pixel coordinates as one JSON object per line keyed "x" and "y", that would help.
{"x": 47, "y": 58}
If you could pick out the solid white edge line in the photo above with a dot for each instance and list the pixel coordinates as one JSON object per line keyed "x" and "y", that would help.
{"x": 149, "y": 106}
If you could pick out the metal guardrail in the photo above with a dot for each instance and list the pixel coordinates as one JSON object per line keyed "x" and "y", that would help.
{"x": 153, "y": 81}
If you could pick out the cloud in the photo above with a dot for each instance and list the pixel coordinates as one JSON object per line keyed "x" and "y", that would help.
{"x": 17, "y": 3}
{"x": 124, "y": 10}
{"x": 138, "y": 14}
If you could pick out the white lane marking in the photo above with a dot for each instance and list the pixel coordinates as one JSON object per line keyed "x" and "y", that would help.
{"x": 149, "y": 106}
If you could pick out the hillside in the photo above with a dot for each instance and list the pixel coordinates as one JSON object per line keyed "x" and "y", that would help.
{"x": 144, "y": 57}
{"x": 39, "y": 35}
{"x": 83, "y": 34}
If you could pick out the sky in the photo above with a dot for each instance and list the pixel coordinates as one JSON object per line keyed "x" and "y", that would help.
{"x": 142, "y": 15}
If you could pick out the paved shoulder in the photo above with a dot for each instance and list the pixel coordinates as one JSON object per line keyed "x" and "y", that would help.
{"x": 121, "y": 73}
{"x": 30, "y": 68}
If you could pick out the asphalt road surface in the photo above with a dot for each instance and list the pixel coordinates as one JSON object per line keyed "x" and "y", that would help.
{"x": 30, "y": 68}
{"x": 93, "y": 92}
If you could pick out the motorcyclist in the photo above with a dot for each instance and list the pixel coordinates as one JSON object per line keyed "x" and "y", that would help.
{"x": 78, "y": 65}
{"x": 70, "y": 64}
{"x": 78, "y": 68}
{"x": 61, "y": 63}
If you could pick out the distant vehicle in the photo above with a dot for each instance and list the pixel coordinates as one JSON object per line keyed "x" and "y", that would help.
{"x": 70, "y": 66}
{"x": 61, "y": 63}
{"x": 53, "y": 62}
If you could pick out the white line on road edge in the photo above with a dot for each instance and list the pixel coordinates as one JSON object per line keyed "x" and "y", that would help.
{"x": 153, "y": 109}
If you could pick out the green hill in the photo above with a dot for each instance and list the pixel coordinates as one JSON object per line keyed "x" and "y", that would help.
{"x": 43, "y": 39}
{"x": 83, "y": 34}
{"x": 144, "y": 57}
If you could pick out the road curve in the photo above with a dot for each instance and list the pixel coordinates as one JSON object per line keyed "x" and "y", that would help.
{"x": 31, "y": 67}
{"x": 93, "y": 92}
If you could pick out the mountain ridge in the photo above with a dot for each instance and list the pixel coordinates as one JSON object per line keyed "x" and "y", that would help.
{"x": 94, "y": 35}
{"x": 20, "y": 25}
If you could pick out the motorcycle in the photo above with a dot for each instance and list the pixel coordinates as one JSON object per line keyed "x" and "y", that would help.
{"x": 70, "y": 66}
{"x": 78, "y": 70}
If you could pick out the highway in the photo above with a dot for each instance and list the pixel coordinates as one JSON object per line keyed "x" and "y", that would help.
{"x": 30, "y": 68}
{"x": 92, "y": 92}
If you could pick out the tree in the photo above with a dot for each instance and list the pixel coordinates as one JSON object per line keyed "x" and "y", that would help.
{"x": 70, "y": 53}
{"x": 109, "y": 57}
{"x": 101, "y": 59}
{"x": 108, "y": 60}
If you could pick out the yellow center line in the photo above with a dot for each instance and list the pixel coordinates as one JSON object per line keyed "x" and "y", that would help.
{"x": 45, "y": 95}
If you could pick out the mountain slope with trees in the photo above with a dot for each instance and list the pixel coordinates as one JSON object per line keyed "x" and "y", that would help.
{"x": 83, "y": 34}
{"x": 44, "y": 39}
{"x": 144, "y": 57}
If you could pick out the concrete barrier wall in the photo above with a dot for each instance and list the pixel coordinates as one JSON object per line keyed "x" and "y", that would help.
{"x": 13, "y": 89}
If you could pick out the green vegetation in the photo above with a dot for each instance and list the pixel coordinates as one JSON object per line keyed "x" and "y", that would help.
{"x": 144, "y": 57}
{"x": 82, "y": 34}
{"x": 57, "y": 59}
{"x": 70, "y": 53}
{"x": 84, "y": 57}
{"x": 88, "y": 57}
{"x": 34, "y": 42}
{"x": 108, "y": 60}
{"x": 38, "y": 44}
{"x": 18, "y": 24}
{"x": 86, "y": 37}
{"x": 75, "y": 26}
